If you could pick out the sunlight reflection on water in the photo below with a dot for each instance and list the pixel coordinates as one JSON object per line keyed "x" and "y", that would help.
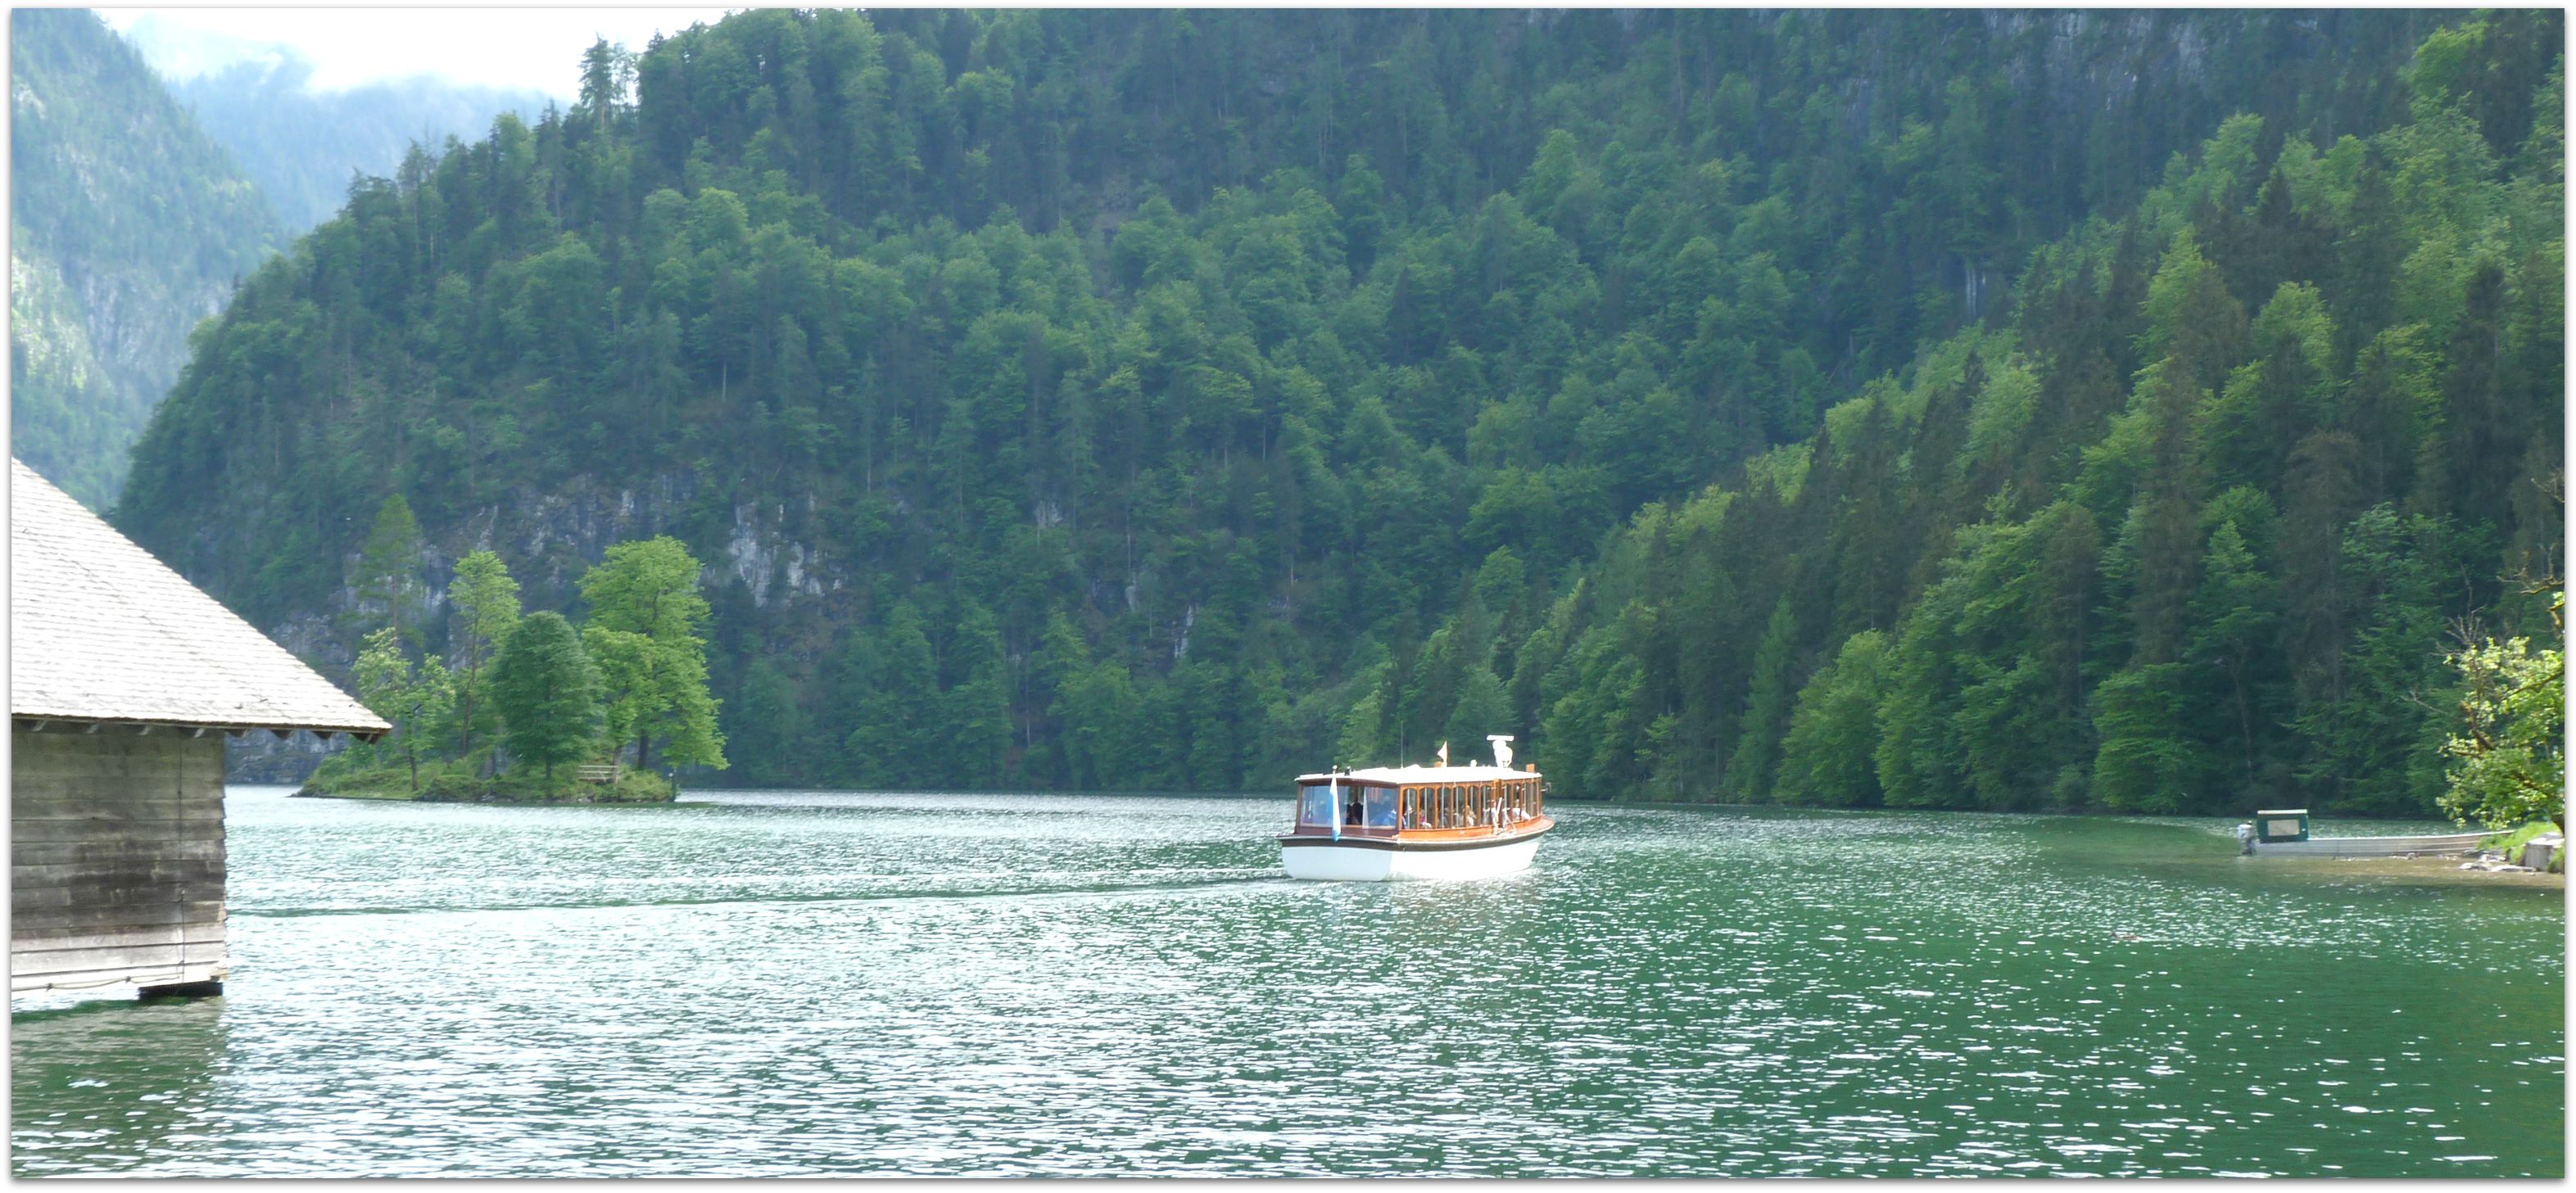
{"x": 805, "y": 983}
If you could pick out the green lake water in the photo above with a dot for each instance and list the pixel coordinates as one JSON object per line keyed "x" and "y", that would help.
{"x": 816, "y": 983}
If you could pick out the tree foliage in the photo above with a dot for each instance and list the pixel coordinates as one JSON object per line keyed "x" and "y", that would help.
{"x": 128, "y": 224}
{"x": 646, "y": 622}
{"x": 486, "y": 604}
{"x": 1159, "y": 400}
{"x": 387, "y": 584}
{"x": 415, "y": 700}
{"x": 547, "y": 690}
{"x": 2512, "y": 740}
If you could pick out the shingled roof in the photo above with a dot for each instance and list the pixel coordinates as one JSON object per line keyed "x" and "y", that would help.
{"x": 100, "y": 631}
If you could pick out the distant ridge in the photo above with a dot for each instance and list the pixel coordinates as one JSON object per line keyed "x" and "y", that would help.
{"x": 129, "y": 225}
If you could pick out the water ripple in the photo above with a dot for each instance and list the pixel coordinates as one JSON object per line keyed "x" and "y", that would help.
{"x": 816, "y": 983}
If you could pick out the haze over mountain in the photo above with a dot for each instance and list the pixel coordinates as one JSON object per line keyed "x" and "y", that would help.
{"x": 137, "y": 208}
{"x": 302, "y": 143}
{"x": 128, "y": 225}
{"x": 2006, "y": 410}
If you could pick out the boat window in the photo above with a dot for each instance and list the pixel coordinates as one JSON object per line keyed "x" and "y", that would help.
{"x": 1380, "y": 812}
{"x": 1315, "y": 804}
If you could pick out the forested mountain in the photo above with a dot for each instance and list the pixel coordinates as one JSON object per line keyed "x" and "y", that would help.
{"x": 127, "y": 227}
{"x": 1989, "y": 410}
{"x": 303, "y": 145}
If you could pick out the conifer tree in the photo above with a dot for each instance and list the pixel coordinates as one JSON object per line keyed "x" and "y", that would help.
{"x": 977, "y": 722}
{"x": 1482, "y": 709}
{"x": 548, "y": 693}
{"x": 388, "y": 580}
{"x": 1766, "y": 709}
{"x": 486, "y": 604}
{"x": 887, "y": 742}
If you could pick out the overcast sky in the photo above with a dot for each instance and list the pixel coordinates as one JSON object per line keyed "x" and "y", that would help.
{"x": 501, "y": 47}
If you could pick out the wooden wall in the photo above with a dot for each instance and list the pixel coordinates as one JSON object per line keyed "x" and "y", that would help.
{"x": 116, "y": 859}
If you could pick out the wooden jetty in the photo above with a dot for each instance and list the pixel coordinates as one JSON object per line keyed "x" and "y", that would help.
{"x": 124, "y": 680}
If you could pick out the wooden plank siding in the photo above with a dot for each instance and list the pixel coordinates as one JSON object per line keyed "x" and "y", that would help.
{"x": 116, "y": 859}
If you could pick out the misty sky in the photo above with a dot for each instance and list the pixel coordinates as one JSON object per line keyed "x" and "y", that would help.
{"x": 527, "y": 47}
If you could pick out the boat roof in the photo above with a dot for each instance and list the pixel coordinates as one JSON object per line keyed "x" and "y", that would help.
{"x": 1409, "y": 776}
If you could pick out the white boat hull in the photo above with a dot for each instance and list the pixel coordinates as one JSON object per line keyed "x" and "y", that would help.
{"x": 1380, "y": 861}
{"x": 2366, "y": 846}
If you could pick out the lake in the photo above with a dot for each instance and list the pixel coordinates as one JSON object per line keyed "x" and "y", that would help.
{"x": 783, "y": 983}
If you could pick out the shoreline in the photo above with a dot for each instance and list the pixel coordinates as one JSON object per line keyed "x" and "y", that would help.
{"x": 487, "y": 797}
{"x": 2455, "y": 869}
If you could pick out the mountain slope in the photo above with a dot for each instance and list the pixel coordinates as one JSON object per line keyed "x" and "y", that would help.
{"x": 2186, "y": 534}
{"x": 128, "y": 226}
{"x": 1167, "y": 399}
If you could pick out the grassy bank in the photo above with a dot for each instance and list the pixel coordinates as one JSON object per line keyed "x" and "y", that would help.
{"x": 2510, "y": 844}
{"x": 458, "y": 783}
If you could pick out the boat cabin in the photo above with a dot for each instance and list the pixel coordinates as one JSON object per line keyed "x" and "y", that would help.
{"x": 1419, "y": 802}
{"x": 2277, "y": 825}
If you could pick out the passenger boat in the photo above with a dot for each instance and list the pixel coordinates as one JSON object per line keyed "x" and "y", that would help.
{"x": 1392, "y": 823}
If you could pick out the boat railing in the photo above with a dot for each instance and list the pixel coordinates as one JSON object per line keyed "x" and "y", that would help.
{"x": 1379, "y": 830}
{"x": 1347, "y": 830}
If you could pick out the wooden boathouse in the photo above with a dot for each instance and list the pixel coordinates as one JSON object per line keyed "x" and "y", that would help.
{"x": 124, "y": 680}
